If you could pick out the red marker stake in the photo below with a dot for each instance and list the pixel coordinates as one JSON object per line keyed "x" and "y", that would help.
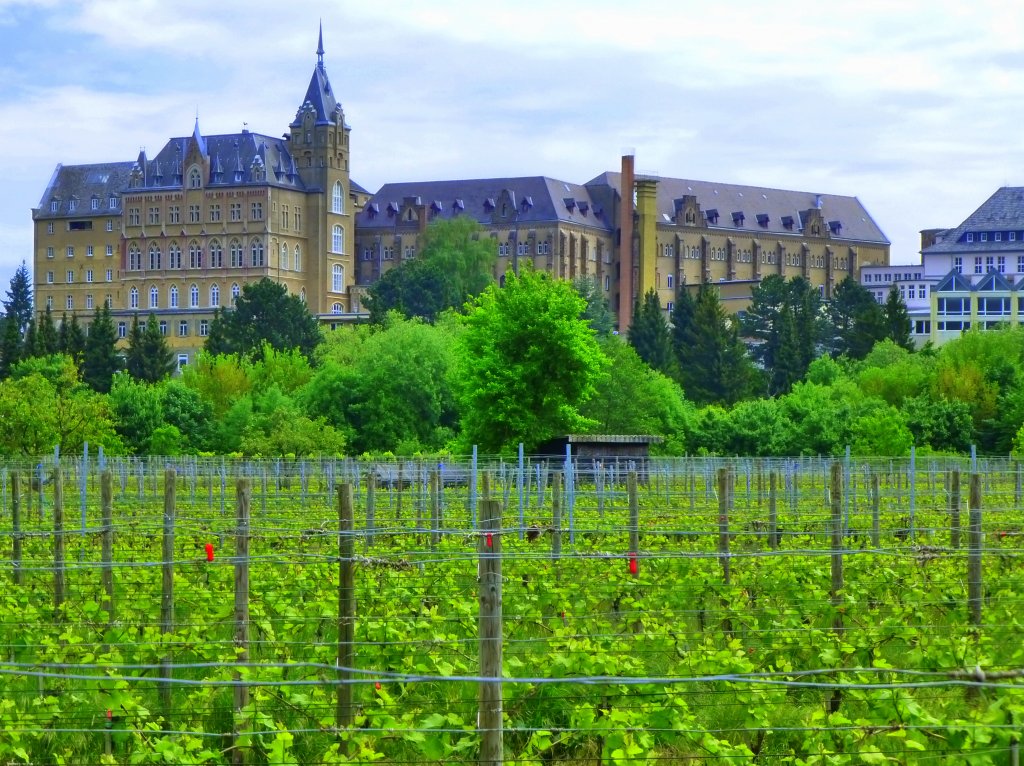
{"x": 490, "y": 540}
{"x": 209, "y": 551}
{"x": 634, "y": 567}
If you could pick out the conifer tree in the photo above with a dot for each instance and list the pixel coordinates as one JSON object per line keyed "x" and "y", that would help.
{"x": 101, "y": 360}
{"x": 12, "y": 346}
{"x": 157, "y": 357}
{"x": 19, "y": 298}
{"x": 47, "y": 341}
{"x": 70, "y": 338}
{"x": 649, "y": 335}
{"x": 897, "y": 319}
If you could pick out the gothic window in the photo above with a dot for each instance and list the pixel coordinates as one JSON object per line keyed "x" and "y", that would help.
{"x": 173, "y": 297}
{"x": 235, "y": 292}
{"x": 133, "y": 298}
{"x": 337, "y": 278}
{"x": 338, "y": 240}
{"x": 154, "y": 257}
{"x": 214, "y": 296}
{"x": 193, "y": 296}
{"x": 154, "y": 297}
{"x": 195, "y": 180}
{"x": 257, "y": 253}
{"x": 338, "y": 199}
{"x": 298, "y": 259}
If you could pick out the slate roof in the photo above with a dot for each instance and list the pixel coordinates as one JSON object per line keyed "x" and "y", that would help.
{"x": 230, "y": 154}
{"x": 755, "y": 202}
{"x": 320, "y": 97}
{"x": 1002, "y": 212}
{"x": 538, "y": 199}
{"x": 83, "y": 182}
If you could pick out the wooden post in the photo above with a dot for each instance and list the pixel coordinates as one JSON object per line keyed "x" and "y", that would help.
{"x": 634, "y": 515}
{"x": 398, "y": 489}
{"x": 371, "y": 507}
{"x": 167, "y": 592}
{"x": 435, "y": 519}
{"x": 16, "y": 525}
{"x": 58, "y": 542}
{"x": 837, "y": 540}
{"x": 489, "y": 718}
{"x": 1016, "y": 485}
{"x": 556, "y": 518}
{"x": 723, "y": 522}
{"x": 107, "y": 509}
{"x": 486, "y": 482}
{"x": 876, "y": 508}
{"x": 346, "y": 612}
{"x": 773, "y": 514}
{"x": 954, "y": 508}
{"x": 243, "y": 498}
{"x": 974, "y": 584}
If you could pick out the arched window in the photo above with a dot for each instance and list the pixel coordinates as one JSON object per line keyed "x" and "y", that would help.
{"x": 235, "y": 292}
{"x": 302, "y": 295}
{"x": 195, "y": 180}
{"x": 195, "y": 255}
{"x": 338, "y": 199}
{"x": 257, "y": 253}
{"x": 284, "y": 257}
{"x": 337, "y": 278}
{"x": 134, "y": 258}
{"x": 298, "y": 259}
{"x": 338, "y": 240}
{"x": 154, "y": 257}
{"x": 173, "y": 297}
{"x": 216, "y": 255}
{"x": 174, "y": 256}
{"x": 154, "y": 297}
{"x": 133, "y": 298}
{"x": 236, "y": 254}
{"x": 193, "y": 296}
{"x": 214, "y": 296}
{"x": 336, "y": 308}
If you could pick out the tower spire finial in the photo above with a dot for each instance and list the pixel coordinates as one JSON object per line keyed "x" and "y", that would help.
{"x": 320, "y": 46}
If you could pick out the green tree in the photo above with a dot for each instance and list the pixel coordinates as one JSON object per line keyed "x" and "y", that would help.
{"x": 12, "y": 349}
{"x": 101, "y": 360}
{"x": 186, "y": 410}
{"x": 137, "y": 411}
{"x": 264, "y": 313}
{"x": 277, "y": 426}
{"x": 526, "y": 362}
{"x": 682, "y": 322}
{"x": 897, "y": 320}
{"x": 455, "y": 264}
{"x": 149, "y": 358}
{"x": 70, "y": 338}
{"x": 856, "y": 321}
{"x": 46, "y": 340}
{"x": 18, "y": 304}
{"x": 783, "y": 328}
{"x": 649, "y": 333}
{"x": 713, "y": 362}
{"x": 597, "y": 312}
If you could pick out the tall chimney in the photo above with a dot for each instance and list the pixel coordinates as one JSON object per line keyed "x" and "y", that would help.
{"x": 626, "y": 244}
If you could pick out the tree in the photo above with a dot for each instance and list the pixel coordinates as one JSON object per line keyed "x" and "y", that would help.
{"x": 897, "y": 320}
{"x": 149, "y": 358}
{"x": 101, "y": 360}
{"x": 46, "y": 340}
{"x": 264, "y": 313}
{"x": 649, "y": 334}
{"x": 526, "y": 362}
{"x": 597, "y": 312}
{"x": 456, "y": 263}
{"x": 18, "y": 305}
{"x": 137, "y": 411}
{"x": 11, "y": 347}
{"x": 782, "y": 326}
{"x": 856, "y": 320}
{"x": 713, "y": 362}
{"x": 70, "y": 338}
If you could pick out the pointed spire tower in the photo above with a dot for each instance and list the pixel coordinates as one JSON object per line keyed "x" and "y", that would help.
{"x": 319, "y": 148}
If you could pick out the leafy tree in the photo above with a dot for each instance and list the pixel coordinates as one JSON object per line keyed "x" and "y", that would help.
{"x": 186, "y": 410}
{"x": 136, "y": 407}
{"x": 942, "y": 424}
{"x": 526, "y": 362}
{"x": 890, "y": 372}
{"x": 219, "y": 380}
{"x": 288, "y": 370}
{"x": 12, "y": 348}
{"x": 46, "y": 340}
{"x": 597, "y": 312}
{"x": 682, "y": 322}
{"x": 41, "y": 410}
{"x": 149, "y": 358}
{"x": 18, "y": 305}
{"x": 456, "y": 263}
{"x": 897, "y": 319}
{"x": 70, "y": 338}
{"x": 655, "y": 402}
{"x": 756, "y": 427}
{"x": 783, "y": 325}
{"x": 713, "y": 362}
{"x": 264, "y": 313}
{"x": 856, "y": 320}
{"x": 101, "y": 360}
{"x": 649, "y": 334}
{"x": 277, "y": 426}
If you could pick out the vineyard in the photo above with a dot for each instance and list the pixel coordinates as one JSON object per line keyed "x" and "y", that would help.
{"x": 543, "y": 611}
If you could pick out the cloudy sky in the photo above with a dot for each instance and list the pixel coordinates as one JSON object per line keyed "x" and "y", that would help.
{"x": 913, "y": 106}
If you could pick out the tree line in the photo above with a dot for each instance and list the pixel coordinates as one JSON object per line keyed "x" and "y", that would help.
{"x": 452, "y": 359}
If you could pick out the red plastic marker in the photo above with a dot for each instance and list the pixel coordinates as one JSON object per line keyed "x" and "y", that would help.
{"x": 490, "y": 540}
{"x": 110, "y": 716}
{"x": 377, "y": 686}
{"x": 634, "y": 567}
{"x": 209, "y": 551}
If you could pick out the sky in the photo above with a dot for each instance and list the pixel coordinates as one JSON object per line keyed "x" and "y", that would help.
{"x": 915, "y": 107}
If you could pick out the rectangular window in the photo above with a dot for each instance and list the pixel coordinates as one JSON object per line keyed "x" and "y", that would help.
{"x": 133, "y": 216}
{"x": 958, "y": 265}
{"x": 984, "y": 236}
{"x": 182, "y": 360}
{"x": 670, "y": 280}
{"x": 95, "y": 203}
{"x": 69, "y": 302}
{"x": 49, "y": 277}
{"x": 257, "y": 211}
{"x": 163, "y": 326}
{"x": 112, "y": 202}
{"x": 110, "y": 224}
{"x": 193, "y": 213}
{"x": 110, "y": 250}
{"x": 284, "y": 216}
{"x": 174, "y": 214}
{"x": 298, "y": 219}
{"x": 70, "y": 277}
{"x": 1001, "y": 264}
{"x": 122, "y": 330}
{"x": 49, "y": 252}
{"x": 110, "y": 275}
{"x": 88, "y": 301}
{"x": 977, "y": 265}
{"x": 998, "y": 236}
{"x": 204, "y": 328}
{"x": 607, "y": 282}
{"x": 236, "y": 211}
{"x": 71, "y": 251}
{"x": 214, "y": 213}
{"x": 88, "y": 275}
{"x": 182, "y": 328}
{"x": 994, "y": 307}
{"x": 1013, "y": 236}
{"x": 954, "y": 306}
{"x": 154, "y": 215}
{"x": 49, "y": 228}
{"x": 88, "y": 251}
{"x": 669, "y": 306}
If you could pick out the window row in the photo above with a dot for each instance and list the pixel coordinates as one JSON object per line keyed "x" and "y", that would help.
{"x": 193, "y": 214}
{"x": 90, "y": 303}
{"x": 94, "y": 204}
{"x": 69, "y": 277}
{"x": 90, "y": 251}
{"x": 215, "y": 256}
{"x": 173, "y": 296}
{"x": 184, "y": 329}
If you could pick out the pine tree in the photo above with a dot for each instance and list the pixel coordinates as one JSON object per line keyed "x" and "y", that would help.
{"x": 19, "y": 298}
{"x": 682, "y": 321}
{"x": 597, "y": 313}
{"x": 856, "y": 320}
{"x": 70, "y": 338}
{"x": 101, "y": 360}
{"x": 157, "y": 357}
{"x": 897, "y": 320}
{"x": 11, "y": 349}
{"x": 134, "y": 356}
{"x": 649, "y": 334}
{"x": 47, "y": 341}
{"x": 30, "y": 347}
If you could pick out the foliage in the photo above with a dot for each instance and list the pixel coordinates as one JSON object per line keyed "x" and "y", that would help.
{"x": 649, "y": 333}
{"x": 277, "y": 426}
{"x": 264, "y": 314}
{"x": 856, "y": 320}
{"x": 186, "y": 410}
{"x": 101, "y": 360}
{"x": 455, "y": 264}
{"x": 220, "y": 380}
{"x": 71, "y": 339}
{"x": 18, "y": 303}
{"x": 46, "y": 340}
{"x": 897, "y": 319}
{"x": 784, "y": 327}
{"x": 136, "y": 407}
{"x": 526, "y": 362}
{"x": 597, "y": 313}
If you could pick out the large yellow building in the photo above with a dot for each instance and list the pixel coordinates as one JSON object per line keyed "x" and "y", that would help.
{"x": 180, "y": 233}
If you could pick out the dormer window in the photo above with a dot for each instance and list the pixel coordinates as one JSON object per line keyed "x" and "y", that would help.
{"x": 835, "y": 227}
{"x": 570, "y": 203}
{"x": 489, "y": 205}
{"x": 112, "y": 202}
{"x": 392, "y": 209}
{"x": 787, "y": 222}
{"x": 984, "y": 236}
{"x": 762, "y": 220}
{"x": 970, "y": 236}
{"x": 737, "y": 218}
{"x": 584, "y": 207}
{"x": 458, "y": 206}
{"x": 72, "y": 205}
{"x": 998, "y": 236}
{"x": 527, "y": 203}
{"x": 712, "y": 215}
{"x": 54, "y": 205}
